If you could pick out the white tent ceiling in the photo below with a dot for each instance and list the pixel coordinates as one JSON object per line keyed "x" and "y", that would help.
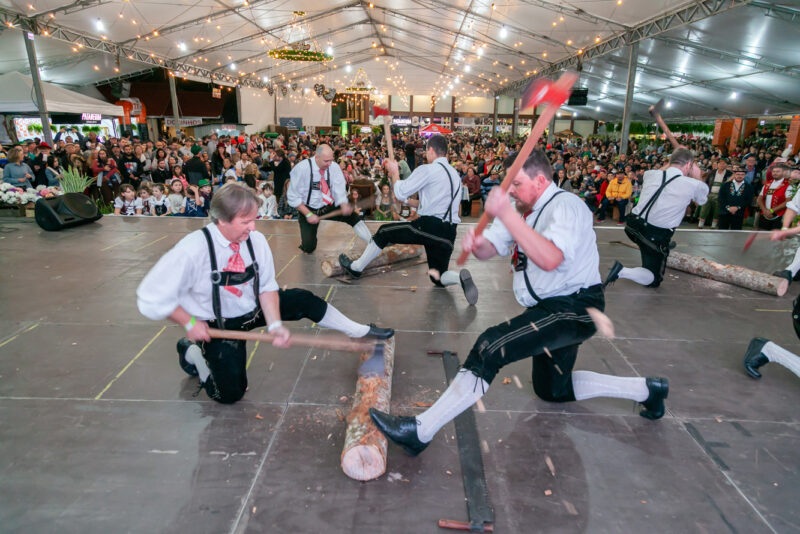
{"x": 425, "y": 46}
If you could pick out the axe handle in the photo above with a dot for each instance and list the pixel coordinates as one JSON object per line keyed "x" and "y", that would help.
{"x": 319, "y": 342}
{"x": 666, "y": 130}
{"x": 568, "y": 79}
{"x": 387, "y": 134}
{"x": 338, "y": 211}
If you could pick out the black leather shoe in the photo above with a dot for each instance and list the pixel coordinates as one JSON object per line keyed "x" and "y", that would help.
{"x": 401, "y": 430}
{"x": 183, "y": 346}
{"x": 753, "y": 358}
{"x": 654, "y": 405}
{"x": 346, "y": 263}
{"x": 379, "y": 333}
{"x": 469, "y": 287}
{"x": 613, "y": 274}
{"x": 784, "y": 274}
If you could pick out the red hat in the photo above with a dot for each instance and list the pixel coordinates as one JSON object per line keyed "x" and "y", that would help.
{"x": 44, "y": 145}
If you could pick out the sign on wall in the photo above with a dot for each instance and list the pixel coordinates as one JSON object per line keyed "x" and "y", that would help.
{"x": 292, "y": 123}
{"x": 186, "y": 122}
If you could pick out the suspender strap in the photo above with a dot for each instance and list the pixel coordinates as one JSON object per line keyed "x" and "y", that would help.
{"x": 311, "y": 181}
{"x": 256, "y": 284}
{"x": 449, "y": 213}
{"x": 215, "y": 298}
{"x": 664, "y": 183}
{"x": 525, "y": 271}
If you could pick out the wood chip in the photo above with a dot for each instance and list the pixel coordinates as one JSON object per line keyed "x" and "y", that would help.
{"x": 254, "y": 509}
{"x": 343, "y": 398}
{"x": 423, "y": 404}
{"x": 506, "y": 380}
{"x": 413, "y": 288}
{"x": 718, "y": 420}
{"x": 517, "y": 382}
{"x": 550, "y": 465}
{"x": 548, "y": 492}
{"x": 258, "y": 416}
{"x": 449, "y": 472}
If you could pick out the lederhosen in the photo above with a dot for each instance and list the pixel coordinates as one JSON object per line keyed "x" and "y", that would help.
{"x": 549, "y": 332}
{"x": 653, "y": 241}
{"x": 227, "y": 358}
{"x": 436, "y": 235}
{"x": 308, "y": 231}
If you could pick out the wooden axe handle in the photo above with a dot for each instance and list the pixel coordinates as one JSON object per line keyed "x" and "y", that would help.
{"x": 666, "y": 130}
{"x": 319, "y": 342}
{"x": 567, "y": 80}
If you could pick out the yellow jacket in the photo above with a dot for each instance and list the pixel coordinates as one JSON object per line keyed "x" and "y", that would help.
{"x": 619, "y": 190}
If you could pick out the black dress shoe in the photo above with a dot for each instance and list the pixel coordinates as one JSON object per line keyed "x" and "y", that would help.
{"x": 379, "y": 333}
{"x": 346, "y": 263}
{"x": 469, "y": 287}
{"x": 753, "y": 358}
{"x": 401, "y": 430}
{"x": 183, "y": 346}
{"x": 613, "y": 274}
{"x": 784, "y": 274}
{"x": 654, "y": 405}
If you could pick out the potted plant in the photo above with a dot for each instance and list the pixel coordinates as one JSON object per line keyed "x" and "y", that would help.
{"x": 72, "y": 181}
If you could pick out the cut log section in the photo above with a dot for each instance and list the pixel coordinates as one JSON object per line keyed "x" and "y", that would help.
{"x": 730, "y": 274}
{"x": 364, "y": 453}
{"x": 389, "y": 255}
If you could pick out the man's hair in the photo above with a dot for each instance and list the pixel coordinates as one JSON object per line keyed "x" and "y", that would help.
{"x": 783, "y": 166}
{"x": 322, "y": 148}
{"x": 280, "y": 153}
{"x": 537, "y": 163}
{"x": 231, "y": 200}
{"x": 681, "y": 157}
{"x": 438, "y": 143}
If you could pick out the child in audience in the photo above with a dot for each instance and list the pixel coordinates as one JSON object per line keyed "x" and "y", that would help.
{"x": 127, "y": 203}
{"x": 194, "y": 203}
{"x": 269, "y": 206}
{"x": 207, "y": 194}
{"x": 144, "y": 196}
{"x": 159, "y": 203}
{"x": 177, "y": 197}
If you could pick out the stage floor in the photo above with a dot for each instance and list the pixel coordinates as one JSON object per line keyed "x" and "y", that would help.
{"x": 101, "y": 432}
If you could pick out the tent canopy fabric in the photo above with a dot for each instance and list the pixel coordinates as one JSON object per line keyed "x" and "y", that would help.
{"x": 18, "y": 96}
{"x": 435, "y": 129}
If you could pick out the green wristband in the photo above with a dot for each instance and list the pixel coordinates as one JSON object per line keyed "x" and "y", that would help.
{"x": 188, "y": 326}
{"x": 309, "y": 214}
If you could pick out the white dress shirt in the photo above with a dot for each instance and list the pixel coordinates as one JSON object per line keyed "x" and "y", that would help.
{"x": 670, "y": 207}
{"x": 567, "y": 223}
{"x": 182, "y": 277}
{"x": 299, "y": 183}
{"x": 435, "y": 193}
{"x": 794, "y": 204}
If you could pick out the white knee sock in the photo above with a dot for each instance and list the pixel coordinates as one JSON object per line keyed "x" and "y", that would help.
{"x": 362, "y": 231}
{"x": 195, "y": 356}
{"x": 640, "y": 275}
{"x": 449, "y": 278}
{"x": 370, "y": 253}
{"x": 778, "y": 354}
{"x": 587, "y": 385}
{"x": 795, "y": 265}
{"x": 465, "y": 389}
{"x": 336, "y": 320}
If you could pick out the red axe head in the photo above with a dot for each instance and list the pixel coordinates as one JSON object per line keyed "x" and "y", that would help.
{"x": 545, "y": 91}
{"x": 377, "y": 111}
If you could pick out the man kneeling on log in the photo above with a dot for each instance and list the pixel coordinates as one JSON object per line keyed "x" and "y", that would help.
{"x": 557, "y": 280}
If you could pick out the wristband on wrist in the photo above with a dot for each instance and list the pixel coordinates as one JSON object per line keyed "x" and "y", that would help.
{"x": 309, "y": 214}
{"x": 785, "y": 228}
{"x": 188, "y": 326}
{"x": 273, "y": 326}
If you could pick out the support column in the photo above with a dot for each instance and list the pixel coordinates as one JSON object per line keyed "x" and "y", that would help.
{"x": 38, "y": 91}
{"x": 494, "y": 118}
{"x": 453, "y": 113}
{"x": 793, "y": 135}
{"x": 551, "y": 130}
{"x": 515, "y": 120}
{"x": 176, "y": 114}
{"x": 633, "y": 61}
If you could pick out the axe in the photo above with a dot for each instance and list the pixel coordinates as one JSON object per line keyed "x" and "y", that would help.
{"x": 554, "y": 94}
{"x": 655, "y": 112}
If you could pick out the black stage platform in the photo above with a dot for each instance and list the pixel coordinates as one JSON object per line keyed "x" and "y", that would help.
{"x": 101, "y": 432}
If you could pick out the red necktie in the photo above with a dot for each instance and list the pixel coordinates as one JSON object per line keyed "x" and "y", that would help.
{"x": 323, "y": 188}
{"x": 235, "y": 265}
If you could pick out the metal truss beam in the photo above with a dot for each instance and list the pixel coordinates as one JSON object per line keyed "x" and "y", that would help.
{"x": 668, "y": 21}
{"x": 578, "y": 13}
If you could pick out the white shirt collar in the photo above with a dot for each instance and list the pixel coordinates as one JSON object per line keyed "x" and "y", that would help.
{"x": 546, "y": 195}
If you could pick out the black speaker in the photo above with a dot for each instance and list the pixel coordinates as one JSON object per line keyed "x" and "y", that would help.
{"x": 65, "y": 211}
{"x": 578, "y": 97}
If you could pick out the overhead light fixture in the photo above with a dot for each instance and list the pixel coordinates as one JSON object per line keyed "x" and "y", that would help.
{"x": 182, "y": 46}
{"x": 233, "y": 66}
{"x": 99, "y": 25}
{"x": 734, "y": 95}
{"x": 329, "y": 50}
{"x": 348, "y": 68}
{"x": 467, "y": 68}
{"x": 503, "y": 32}
{"x": 597, "y": 108}
{"x": 265, "y": 79}
{"x": 669, "y": 104}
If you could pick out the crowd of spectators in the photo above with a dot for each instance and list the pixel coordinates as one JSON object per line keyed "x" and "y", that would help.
{"x": 178, "y": 176}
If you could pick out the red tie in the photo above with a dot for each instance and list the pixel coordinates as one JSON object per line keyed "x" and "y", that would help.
{"x": 323, "y": 188}
{"x": 235, "y": 265}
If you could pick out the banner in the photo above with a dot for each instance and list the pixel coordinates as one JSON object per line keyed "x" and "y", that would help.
{"x": 292, "y": 123}
{"x": 184, "y": 121}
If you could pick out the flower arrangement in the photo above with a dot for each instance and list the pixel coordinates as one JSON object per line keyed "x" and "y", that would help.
{"x": 72, "y": 181}
{"x": 16, "y": 196}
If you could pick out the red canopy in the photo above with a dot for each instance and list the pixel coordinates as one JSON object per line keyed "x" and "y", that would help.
{"x": 435, "y": 129}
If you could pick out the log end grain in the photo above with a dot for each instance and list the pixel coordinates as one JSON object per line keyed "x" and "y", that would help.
{"x": 783, "y": 287}
{"x": 364, "y": 462}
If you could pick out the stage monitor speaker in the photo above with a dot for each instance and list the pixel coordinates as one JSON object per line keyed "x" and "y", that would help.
{"x": 578, "y": 97}
{"x": 65, "y": 211}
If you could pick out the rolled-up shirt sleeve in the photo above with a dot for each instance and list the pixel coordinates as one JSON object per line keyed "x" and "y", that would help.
{"x": 338, "y": 184}
{"x": 701, "y": 193}
{"x": 298, "y": 186}
{"x": 159, "y": 293}
{"x": 405, "y": 188}
{"x": 499, "y": 236}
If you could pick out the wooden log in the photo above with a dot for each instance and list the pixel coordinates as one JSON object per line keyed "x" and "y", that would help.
{"x": 730, "y": 274}
{"x": 389, "y": 255}
{"x": 364, "y": 453}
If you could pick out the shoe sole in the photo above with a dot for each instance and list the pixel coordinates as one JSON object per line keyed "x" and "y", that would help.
{"x": 608, "y": 281}
{"x": 469, "y": 287}
{"x": 188, "y": 368}
{"x": 756, "y": 342}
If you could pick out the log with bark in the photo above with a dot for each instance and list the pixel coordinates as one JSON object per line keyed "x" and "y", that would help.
{"x": 364, "y": 453}
{"x": 731, "y": 274}
{"x": 389, "y": 255}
